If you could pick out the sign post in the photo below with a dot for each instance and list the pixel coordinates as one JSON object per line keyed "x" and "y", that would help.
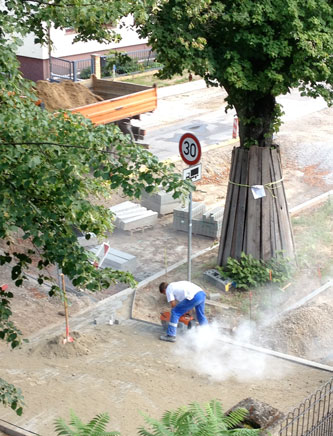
{"x": 190, "y": 152}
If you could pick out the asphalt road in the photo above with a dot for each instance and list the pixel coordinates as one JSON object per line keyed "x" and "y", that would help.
{"x": 176, "y": 116}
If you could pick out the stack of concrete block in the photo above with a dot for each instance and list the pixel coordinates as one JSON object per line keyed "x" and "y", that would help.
{"x": 132, "y": 216}
{"x": 211, "y": 223}
{"x": 180, "y": 215}
{"x": 162, "y": 202}
{"x": 117, "y": 259}
{"x": 205, "y": 223}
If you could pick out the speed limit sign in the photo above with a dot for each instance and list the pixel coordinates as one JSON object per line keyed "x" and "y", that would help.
{"x": 190, "y": 149}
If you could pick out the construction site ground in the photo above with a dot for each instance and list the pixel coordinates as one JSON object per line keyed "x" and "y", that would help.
{"x": 123, "y": 368}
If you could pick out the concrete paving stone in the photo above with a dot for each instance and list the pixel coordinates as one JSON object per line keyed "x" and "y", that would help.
{"x": 125, "y": 205}
{"x": 117, "y": 259}
{"x": 131, "y": 213}
{"x": 214, "y": 214}
{"x": 198, "y": 208}
{"x": 146, "y": 219}
{"x": 161, "y": 202}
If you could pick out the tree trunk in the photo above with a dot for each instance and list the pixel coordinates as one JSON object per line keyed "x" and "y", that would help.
{"x": 260, "y": 227}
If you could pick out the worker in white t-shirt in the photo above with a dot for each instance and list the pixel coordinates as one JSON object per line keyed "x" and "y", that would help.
{"x": 183, "y": 296}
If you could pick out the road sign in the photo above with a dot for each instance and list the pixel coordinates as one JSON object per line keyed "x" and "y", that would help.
{"x": 190, "y": 149}
{"x": 192, "y": 173}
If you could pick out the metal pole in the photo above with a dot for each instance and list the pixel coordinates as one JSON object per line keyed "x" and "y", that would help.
{"x": 189, "y": 237}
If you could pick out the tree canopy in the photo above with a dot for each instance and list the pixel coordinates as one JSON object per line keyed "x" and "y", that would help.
{"x": 256, "y": 50}
{"x": 53, "y": 166}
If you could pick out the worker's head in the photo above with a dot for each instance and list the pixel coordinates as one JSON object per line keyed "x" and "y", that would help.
{"x": 163, "y": 287}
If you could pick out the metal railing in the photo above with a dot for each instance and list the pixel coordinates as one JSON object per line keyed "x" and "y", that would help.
{"x": 313, "y": 417}
{"x": 62, "y": 69}
{"x": 143, "y": 60}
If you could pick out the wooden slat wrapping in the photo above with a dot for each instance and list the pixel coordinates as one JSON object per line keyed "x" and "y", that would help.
{"x": 238, "y": 237}
{"x": 285, "y": 229}
{"x": 259, "y": 227}
{"x": 276, "y": 215}
{"x": 291, "y": 249}
{"x": 266, "y": 251}
{"x": 233, "y": 205}
{"x": 253, "y": 206}
{"x": 225, "y": 220}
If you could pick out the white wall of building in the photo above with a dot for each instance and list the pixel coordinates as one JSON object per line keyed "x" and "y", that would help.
{"x": 63, "y": 43}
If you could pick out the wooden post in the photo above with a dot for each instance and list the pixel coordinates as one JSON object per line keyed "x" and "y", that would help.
{"x": 97, "y": 65}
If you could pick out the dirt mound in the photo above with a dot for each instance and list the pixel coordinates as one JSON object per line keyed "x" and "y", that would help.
{"x": 304, "y": 332}
{"x": 64, "y": 95}
{"x": 55, "y": 347}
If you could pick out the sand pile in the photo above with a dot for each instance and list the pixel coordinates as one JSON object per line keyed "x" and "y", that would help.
{"x": 55, "y": 347}
{"x": 305, "y": 332}
{"x": 64, "y": 95}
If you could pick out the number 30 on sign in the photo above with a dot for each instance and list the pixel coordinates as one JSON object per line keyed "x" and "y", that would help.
{"x": 190, "y": 149}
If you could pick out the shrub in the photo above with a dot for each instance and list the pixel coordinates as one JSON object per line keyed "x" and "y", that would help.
{"x": 124, "y": 64}
{"x": 250, "y": 272}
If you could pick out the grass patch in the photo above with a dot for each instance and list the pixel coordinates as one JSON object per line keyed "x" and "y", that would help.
{"x": 149, "y": 79}
{"x": 313, "y": 232}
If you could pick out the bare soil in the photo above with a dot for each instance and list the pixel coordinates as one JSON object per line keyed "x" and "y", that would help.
{"x": 124, "y": 369}
{"x": 64, "y": 95}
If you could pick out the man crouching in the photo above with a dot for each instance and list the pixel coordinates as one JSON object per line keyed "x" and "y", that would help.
{"x": 183, "y": 296}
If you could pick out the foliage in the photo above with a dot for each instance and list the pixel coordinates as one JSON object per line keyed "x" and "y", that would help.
{"x": 185, "y": 421}
{"x": 123, "y": 62}
{"x": 55, "y": 166}
{"x": 255, "y": 50}
{"x": 51, "y": 165}
{"x": 95, "y": 427}
{"x": 248, "y": 272}
{"x": 85, "y": 73}
{"x": 196, "y": 421}
{"x": 11, "y": 396}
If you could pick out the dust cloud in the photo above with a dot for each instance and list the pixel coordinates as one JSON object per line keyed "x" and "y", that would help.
{"x": 205, "y": 351}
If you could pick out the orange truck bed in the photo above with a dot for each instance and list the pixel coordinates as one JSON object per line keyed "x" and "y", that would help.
{"x": 122, "y": 100}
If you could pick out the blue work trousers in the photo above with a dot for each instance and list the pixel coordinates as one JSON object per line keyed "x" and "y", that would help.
{"x": 197, "y": 302}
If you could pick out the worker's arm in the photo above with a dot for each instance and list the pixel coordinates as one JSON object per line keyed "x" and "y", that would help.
{"x": 173, "y": 303}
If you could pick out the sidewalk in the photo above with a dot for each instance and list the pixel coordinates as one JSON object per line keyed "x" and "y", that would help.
{"x": 177, "y": 103}
{"x": 182, "y": 88}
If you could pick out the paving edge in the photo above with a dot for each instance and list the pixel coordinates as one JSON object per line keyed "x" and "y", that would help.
{"x": 13, "y": 430}
{"x": 279, "y": 355}
{"x": 309, "y": 203}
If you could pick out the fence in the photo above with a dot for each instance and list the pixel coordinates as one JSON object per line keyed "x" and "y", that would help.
{"x": 127, "y": 63}
{"x": 62, "y": 69}
{"x": 314, "y": 417}
{"x": 112, "y": 65}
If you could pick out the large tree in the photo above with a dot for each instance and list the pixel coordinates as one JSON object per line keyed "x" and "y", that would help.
{"x": 256, "y": 50}
{"x": 53, "y": 166}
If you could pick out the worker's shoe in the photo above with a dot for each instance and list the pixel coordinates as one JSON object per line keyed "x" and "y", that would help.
{"x": 168, "y": 338}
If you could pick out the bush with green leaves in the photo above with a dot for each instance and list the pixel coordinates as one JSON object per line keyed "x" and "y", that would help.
{"x": 248, "y": 272}
{"x": 11, "y": 396}
{"x": 124, "y": 64}
{"x": 192, "y": 420}
{"x": 85, "y": 73}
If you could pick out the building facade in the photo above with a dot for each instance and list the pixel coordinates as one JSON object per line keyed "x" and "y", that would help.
{"x": 34, "y": 58}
